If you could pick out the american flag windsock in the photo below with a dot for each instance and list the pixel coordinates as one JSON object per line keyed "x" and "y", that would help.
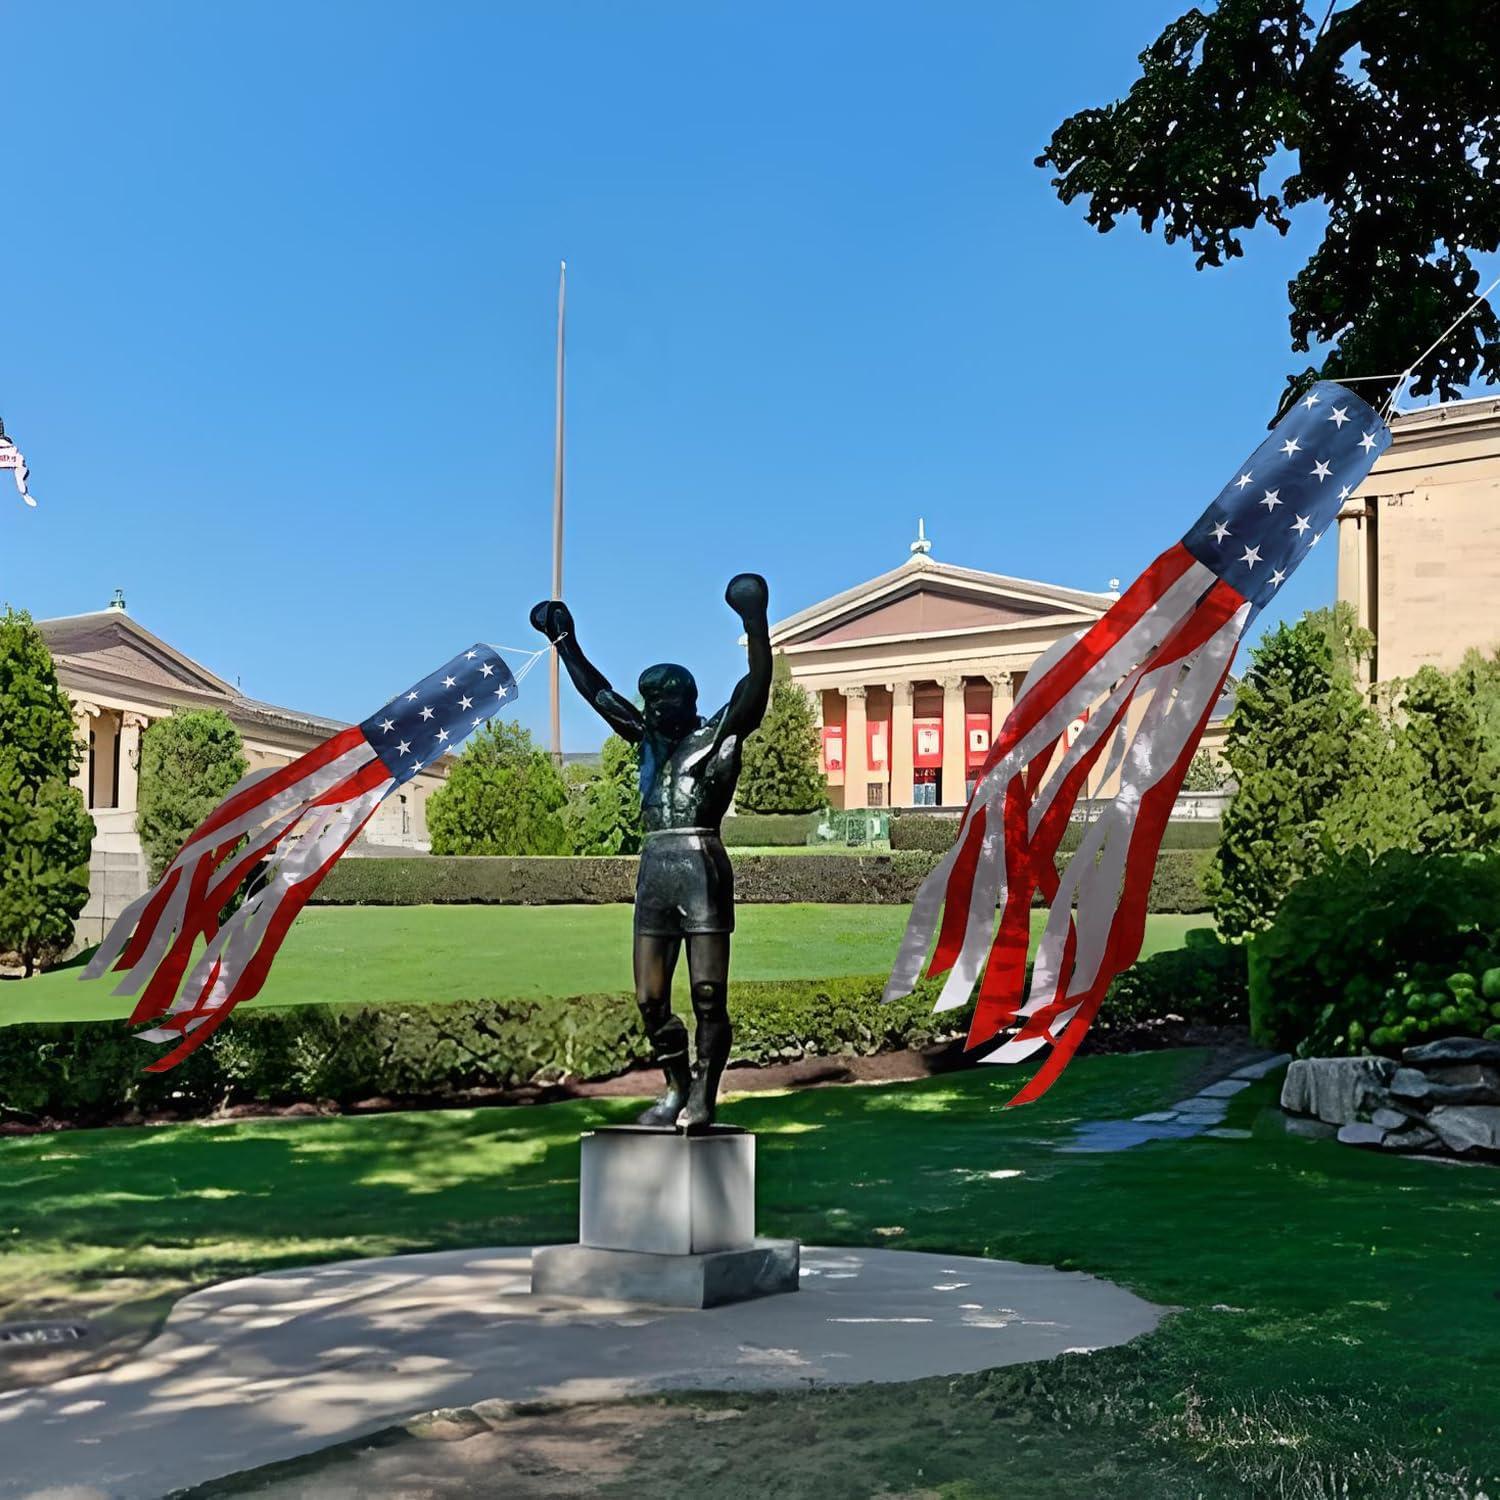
{"x": 1164, "y": 649}
{"x": 11, "y": 458}
{"x": 297, "y": 820}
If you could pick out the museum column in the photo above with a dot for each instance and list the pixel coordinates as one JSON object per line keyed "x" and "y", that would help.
{"x": 83, "y": 717}
{"x": 856, "y": 749}
{"x": 901, "y": 746}
{"x": 955, "y": 792}
{"x": 1002, "y": 700}
{"x": 131, "y": 725}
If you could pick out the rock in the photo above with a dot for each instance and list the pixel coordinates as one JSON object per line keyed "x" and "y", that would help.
{"x": 1312, "y": 1130}
{"x": 1336, "y": 1090}
{"x": 1469, "y": 1084}
{"x": 1358, "y": 1133}
{"x": 1266, "y": 1065}
{"x": 1482, "y": 1082}
{"x": 1452, "y": 1049}
{"x": 1410, "y": 1083}
{"x": 1467, "y": 1130}
{"x": 1389, "y": 1119}
{"x": 1417, "y": 1138}
{"x": 1225, "y": 1088}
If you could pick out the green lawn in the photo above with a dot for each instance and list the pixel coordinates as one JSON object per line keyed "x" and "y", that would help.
{"x": 1339, "y": 1331}
{"x": 422, "y": 953}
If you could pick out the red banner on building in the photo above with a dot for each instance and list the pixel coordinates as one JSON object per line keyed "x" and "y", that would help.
{"x": 877, "y": 737}
{"x": 833, "y": 747}
{"x": 927, "y": 742}
{"x": 976, "y": 738}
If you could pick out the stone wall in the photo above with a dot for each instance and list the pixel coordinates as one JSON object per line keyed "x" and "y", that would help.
{"x": 1443, "y": 1098}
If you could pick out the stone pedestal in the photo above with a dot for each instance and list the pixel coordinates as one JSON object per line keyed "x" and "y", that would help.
{"x": 667, "y": 1219}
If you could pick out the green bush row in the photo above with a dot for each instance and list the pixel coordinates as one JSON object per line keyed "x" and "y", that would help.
{"x": 764, "y": 878}
{"x": 1380, "y": 954}
{"x": 936, "y": 833}
{"x": 93, "y": 1070}
{"x": 770, "y": 830}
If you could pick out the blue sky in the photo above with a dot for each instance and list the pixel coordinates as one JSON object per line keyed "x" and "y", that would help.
{"x": 278, "y": 288}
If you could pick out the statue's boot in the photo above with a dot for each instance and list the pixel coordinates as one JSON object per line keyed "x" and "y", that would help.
{"x": 714, "y": 1037}
{"x": 670, "y": 1044}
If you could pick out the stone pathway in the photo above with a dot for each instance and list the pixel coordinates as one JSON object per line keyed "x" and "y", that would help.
{"x": 1203, "y": 1114}
{"x": 275, "y": 1367}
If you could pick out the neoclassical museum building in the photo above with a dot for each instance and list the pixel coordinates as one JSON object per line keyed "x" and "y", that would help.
{"x": 120, "y": 677}
{"x": 914, "y": 671}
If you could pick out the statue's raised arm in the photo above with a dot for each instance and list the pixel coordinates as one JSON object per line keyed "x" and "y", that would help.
{"x": 747, "y": 595}
{"x": 555, "y": 621}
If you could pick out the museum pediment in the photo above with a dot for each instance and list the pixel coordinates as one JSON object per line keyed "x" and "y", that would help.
{"x": 924, "y": 598}
{"x": 113, "y": 646}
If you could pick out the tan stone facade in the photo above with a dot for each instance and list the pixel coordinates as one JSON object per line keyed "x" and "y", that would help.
{"x": 120, "y": 678}
{"x": 1419, "y": 541}
{"x": 913, "y": 672}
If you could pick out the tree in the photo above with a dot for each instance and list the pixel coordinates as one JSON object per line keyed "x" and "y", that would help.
{"x": 504, "y": 796}
{"x": 188, "y": 764}
{"x": 1300, "y": 735}
{"x": 1448, "y": 732}
{"x": 45, "y": 830}
{"x": 604, "y": 806}
{"x": 781, "y": 772}
{"x": 1386, "y": 116}
{"x": 1204, "y": 774}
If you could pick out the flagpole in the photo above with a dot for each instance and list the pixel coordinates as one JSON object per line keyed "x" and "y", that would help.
{"x": 557, "y": 506}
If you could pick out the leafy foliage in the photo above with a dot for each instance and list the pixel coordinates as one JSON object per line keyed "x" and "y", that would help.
{"x": 770, "y": 830}
{"x": 91, "y": 1070}
{"x": 1204, "y": 981}
{"x": 1322, "y": 771}
{"x": 604, "y": 807}
{"x": 1379, "y": 953}
{"x": 1204, "y": 774}
{"x": 45, "y": 830}
{"x": 189, "y": 762}
{"x": 1299, "y": 724}
{"x": 504, "y": 796}
{"x": 782, "y": 772}
{"x": 1387, "y": 116}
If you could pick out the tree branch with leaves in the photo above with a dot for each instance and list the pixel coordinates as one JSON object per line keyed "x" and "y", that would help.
{"x": 1384, "y": 112}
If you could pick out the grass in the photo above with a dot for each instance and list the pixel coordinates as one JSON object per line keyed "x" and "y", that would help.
{"x": 433, "y": 953}
{"x": 1339, "y": 1331}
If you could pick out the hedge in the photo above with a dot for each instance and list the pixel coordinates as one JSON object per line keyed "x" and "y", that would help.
{"x": 591, "y": 880}
{"x": 89, "y": 1072}
{"x": 759, "y": 879}
{"x": 770, "y": 830}
{"x": 1375, "y": 955}
{"x": 93, "y": 1070}
{"x": 937, "y": 832}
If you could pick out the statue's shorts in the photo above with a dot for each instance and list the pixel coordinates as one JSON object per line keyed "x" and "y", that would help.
{"x": 685, "y": 884}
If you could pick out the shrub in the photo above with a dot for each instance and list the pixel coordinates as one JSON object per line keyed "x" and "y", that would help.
{"x": 604, "y": 804}
{"x": 918, "y": 831}
{"x": 770, "y": 830}
{"x": 93, "y": 1070}
{"x": 503, "y": 796}
{"x": 1377, "y": 954}
{"x": 873, "y": 878}
{"x": 1204, "y": 774}
{"x": 1176, "y": 885}
{"x": 1204, "y": 981}
{"x": 45, "y": 830}
{"x": 1301, "y": 737}
{"x": 782, "y": 771}
{"x": 189, "y": 761}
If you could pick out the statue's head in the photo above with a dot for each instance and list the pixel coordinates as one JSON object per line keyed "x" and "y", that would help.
{"x": 669, "y": 699}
